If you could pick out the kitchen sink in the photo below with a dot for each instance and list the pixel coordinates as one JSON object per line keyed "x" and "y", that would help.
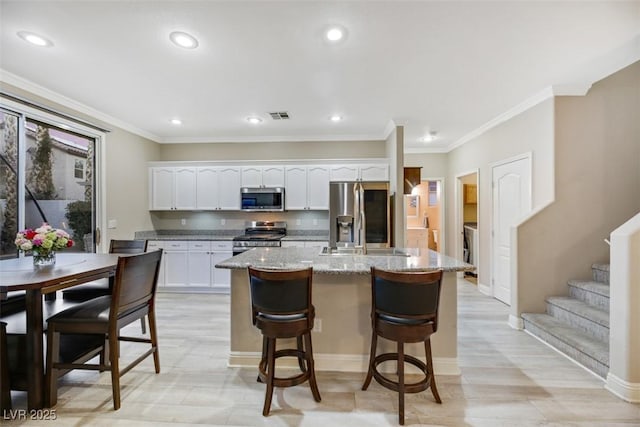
{"x": 359, "y": 251}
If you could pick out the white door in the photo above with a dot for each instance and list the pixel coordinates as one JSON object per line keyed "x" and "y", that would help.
{"x": 511, "y": 183}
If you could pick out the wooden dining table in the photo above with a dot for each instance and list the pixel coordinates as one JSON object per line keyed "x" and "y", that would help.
{"x": 70, "y": 269}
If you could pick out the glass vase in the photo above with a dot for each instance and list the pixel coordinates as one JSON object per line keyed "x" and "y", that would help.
{"x": 43, "y": 259}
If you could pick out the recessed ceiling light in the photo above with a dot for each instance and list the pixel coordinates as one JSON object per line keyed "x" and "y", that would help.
{"x": 35, "y": 39}
{"x": 430, "y": 137}
{"x": 335, "y": 118}
{"x": 254, "y": 120}
{"x": 184, "y": 40}
{"x": 335, "y": 33}
{"x": 176, "y": 122}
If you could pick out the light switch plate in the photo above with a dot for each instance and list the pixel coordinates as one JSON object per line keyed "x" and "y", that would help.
{"x": 113, "y": 223}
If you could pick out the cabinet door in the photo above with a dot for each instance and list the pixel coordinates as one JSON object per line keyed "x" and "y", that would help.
{"x": 296, "y": 188}
{"x": 221, "y": 276}
{"x": 176, "y": 264}
{"x": 185, "y": 188}
{"x": 251, "y": 176}
{"x": 207, "y": 188}
{"x": 344, "y": 173}
{"x": 154, "y": 245}
{"x": 161, "y": 189}
{"x": 318, "y": 187}
{"x": 377, "y": 172}
{"x": 273, "y": 176}
{"x": 229, "y": 188}
{"x": 199, "y": 268}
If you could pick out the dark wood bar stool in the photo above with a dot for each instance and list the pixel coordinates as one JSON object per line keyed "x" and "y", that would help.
{"x": 281, "y": 308}
{"x": 404, "y": 309}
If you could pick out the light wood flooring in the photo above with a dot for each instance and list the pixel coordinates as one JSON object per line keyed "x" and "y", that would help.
{"x": 508, "y": 379}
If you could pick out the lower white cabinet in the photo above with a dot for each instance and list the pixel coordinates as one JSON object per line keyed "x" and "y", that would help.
{"x": 191, "y": 265}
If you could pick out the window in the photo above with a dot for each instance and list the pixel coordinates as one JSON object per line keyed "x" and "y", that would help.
{"x": 78, "y": 170}
{"x": 54, "y": 182}
{"x": 434, "y": 198}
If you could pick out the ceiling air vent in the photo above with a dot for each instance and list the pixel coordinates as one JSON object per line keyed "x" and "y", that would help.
{"x": 279, "y": 115}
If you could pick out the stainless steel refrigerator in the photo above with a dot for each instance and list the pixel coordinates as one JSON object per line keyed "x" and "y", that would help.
{"x": 358, "y": 214}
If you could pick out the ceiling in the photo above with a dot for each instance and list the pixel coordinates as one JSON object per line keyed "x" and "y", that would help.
{"x": 432, "y": 66}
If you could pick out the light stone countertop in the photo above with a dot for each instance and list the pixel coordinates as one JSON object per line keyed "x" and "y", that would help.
{"x": 296, "y": 258}
{"x": 298, "y": 235}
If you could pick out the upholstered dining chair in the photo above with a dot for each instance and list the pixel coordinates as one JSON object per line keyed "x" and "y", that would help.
{"x": 281, "y": 308}
{"x": 404, "y": 309}
{"x": 132, "y": 298}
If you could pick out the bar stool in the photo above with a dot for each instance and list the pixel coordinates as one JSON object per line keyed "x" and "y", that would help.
{"x": 281, "y": 308}
{"x": 5, "y": 387}
{"x": 404, "y": 309}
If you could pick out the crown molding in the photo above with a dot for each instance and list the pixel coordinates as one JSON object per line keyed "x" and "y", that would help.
{"x": 52, "y": 96}
{"x": 289, "y": 138}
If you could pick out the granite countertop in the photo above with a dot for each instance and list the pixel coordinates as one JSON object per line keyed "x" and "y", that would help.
{"x": 296, "y": 258}
{"x": 296, "y": 235}
{"x": 188, "y": 234}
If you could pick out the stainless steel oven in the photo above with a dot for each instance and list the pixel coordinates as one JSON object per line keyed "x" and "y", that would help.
{"x": 259, "y": 234}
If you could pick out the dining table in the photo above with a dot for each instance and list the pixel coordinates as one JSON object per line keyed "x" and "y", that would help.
{"x": 70, "y": 269}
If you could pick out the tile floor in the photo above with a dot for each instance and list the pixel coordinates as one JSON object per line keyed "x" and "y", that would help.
{"x": 508, "y": 379}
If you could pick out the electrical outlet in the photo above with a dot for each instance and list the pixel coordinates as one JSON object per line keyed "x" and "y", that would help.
{"x": 315, "y": 221}
{"x": 298, "y": 222}
{"x": 183, "y": 221}
{"x": 223, "y": 221}
{"x": 317, "y": 325}
{"x": 113, "y": 223}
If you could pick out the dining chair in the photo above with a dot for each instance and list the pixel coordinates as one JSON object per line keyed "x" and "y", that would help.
{"x": 103, "y": 287}
{"x": 404, "y": 309}
{"x": 281, "y": 308}
{"x": 132, "y": 298}
{"x": 5, "y": 387}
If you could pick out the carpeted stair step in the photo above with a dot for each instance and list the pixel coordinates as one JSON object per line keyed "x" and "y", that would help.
{"x": 580, "y": 346}
{"x": 600, "y": 272}
{"x": 580, "y": 315}
{"x": 591, "y": 292}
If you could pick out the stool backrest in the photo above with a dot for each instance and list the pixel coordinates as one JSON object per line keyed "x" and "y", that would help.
{"x": 411, "y": 295}
{"x": 135, "y": 282}
{"x": 280, "y": 291}
{"x": 127, "y": 246}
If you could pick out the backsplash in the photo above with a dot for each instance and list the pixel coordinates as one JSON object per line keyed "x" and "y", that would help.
{"x": 228, "y": 220}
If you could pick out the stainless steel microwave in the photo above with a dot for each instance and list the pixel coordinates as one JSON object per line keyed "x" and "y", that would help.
{"x": 262, "y": 199}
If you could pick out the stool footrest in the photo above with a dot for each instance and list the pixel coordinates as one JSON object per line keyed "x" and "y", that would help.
{"x": 284, "y": 381}
{"x": 416, "y": 387}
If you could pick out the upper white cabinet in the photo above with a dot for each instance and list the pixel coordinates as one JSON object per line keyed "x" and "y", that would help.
{"x": 218, "y": 188}
{"x": 307, "y": 187}
{"x": 173, "y": 188}
{"x": 263, "y": 176}
{"x": 362, "y": 172}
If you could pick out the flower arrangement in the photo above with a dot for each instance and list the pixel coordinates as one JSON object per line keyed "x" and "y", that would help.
{"x": 43, "y": 241}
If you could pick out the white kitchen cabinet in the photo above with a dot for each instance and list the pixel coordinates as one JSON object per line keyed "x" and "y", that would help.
{"x": 262, "y": 176}
{"x": 154, "y": 245}
{"x": 218, "y": 188}
{"x": 359, "y": 172}
{"x": 307, "y": 187}
{"x": 176, "y": 256}
{"x": 172, "y": 188}
{"x": 203, "y": 256}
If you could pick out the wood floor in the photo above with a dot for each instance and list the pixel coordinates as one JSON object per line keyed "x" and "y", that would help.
{"x": 508, "y": 379}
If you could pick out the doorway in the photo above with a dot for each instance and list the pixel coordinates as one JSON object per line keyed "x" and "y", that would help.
{"x": 424, "y": 219}
{"x": 511, "y": 200}
{"x": 468, "y": 241}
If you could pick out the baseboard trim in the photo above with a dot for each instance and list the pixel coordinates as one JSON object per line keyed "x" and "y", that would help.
{"x": 339, "y": 363}
{"x": 516, "y": 322}
{"x": 623, "y": 389}
{"x": 484, "y": 289}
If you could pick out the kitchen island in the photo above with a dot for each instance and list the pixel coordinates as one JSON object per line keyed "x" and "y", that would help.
{"x": 342, "y": 299}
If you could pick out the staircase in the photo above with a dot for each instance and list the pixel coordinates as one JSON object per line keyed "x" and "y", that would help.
{"x": 578, "y": 325}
